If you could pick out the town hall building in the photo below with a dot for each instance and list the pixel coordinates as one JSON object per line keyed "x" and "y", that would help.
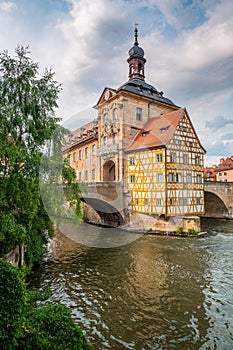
{"x": 144, "y": 141}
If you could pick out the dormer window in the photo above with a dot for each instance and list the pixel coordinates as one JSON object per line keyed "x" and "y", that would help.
{"x": 144, "y": 133}
{"x": 164, "y": 129}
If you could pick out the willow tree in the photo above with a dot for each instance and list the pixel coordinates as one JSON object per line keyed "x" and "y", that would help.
{"x": 27, "y": 114}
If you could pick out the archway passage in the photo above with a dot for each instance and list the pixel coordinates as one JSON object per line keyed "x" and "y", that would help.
{"x": 109, "y": 171}
{"x": 108, "y": 214}
{"x": 214, "y": 206}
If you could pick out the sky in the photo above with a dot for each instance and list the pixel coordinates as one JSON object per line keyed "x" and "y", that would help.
{"x": 188, "y": 46}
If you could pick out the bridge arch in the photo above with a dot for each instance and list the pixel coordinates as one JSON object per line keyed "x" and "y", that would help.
{"x": 108, "y": 215}
{"x": 215, "y": 206}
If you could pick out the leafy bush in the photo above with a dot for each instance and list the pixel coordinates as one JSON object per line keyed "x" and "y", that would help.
{"x": 191, "y": 231}
{"x": 181, "y": 231}
{"x": 52, "y": 328}
{"x": 13, "y": 297}
{"x": 25, "y": 327}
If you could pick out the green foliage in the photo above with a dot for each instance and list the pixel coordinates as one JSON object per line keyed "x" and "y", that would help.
{"x": 12, "y": 303}
{"x": 28, "y": 122}
{"x": 180, "y": 231}
{"x": 23, "y": 326}
{"x": 191, "y": 231}
{"x": 52, "y": 328}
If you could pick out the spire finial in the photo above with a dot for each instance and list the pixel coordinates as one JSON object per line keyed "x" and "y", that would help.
{"x": 136, "y": 34}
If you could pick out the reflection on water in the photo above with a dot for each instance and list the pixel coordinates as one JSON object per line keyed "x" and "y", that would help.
{"x": 154, "y": 293}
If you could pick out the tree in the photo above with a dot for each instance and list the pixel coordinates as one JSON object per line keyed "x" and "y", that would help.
{"x": 27, "y": 114}
{"x": 23, "y": 326}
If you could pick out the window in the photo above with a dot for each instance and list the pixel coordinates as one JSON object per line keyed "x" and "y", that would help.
{"x": 86, "y": 175}
{"x": 160, "y": 177}
{"x": 170, "y": 201}
{"x": 115, "y": 114}
{"x": 139, "y": 114}
{"x": 180, "y": 201}
{"x": 80, "y": 176}
{"x": 80, "y": 154}
{"x": 171, "y": 177}
{"x": 105, "y": 140}
{"x": 220, "y": 174}
{"x": 197, "y": 160}
{"x": 144, "y": 133}
{"x": 185, "y": 158}
{"x": 198, "y": 200}
{"x": 185, "y": 200}
{"x": 189, "y": 178}
{"x": 115, "y": 138}
{"x": 136, "y": 201}
{"x": 132, "y": 178}
{"x": 131, "y": 160}
{"x": 93, "y": 149}
{"x": 159, "y": 157}
{"x": 184, "y": 128}
{"x": 86, "y": 152}
{"x": 199, "y": 178}
{"x": 158, "y": 202}
{"x": 105, "y": 117}
{"x": 178, "y": 177}
{"x": 173, "y": 157}
{"x": 146, "y": 201}
{"x": 190, "y": 144}
{"x": 93, "y": 174}
{"x": 224, "y": 174}
{"x": 74, "y": 157}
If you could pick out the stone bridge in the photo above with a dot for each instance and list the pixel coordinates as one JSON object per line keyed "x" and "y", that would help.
{"x": 109, "y": 201}
{"x": 108, "y": 204}
{"x": 219, "y": 199}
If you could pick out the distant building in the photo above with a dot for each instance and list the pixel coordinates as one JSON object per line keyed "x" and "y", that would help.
{"x": 144, "y": 141}
{"x": 221, "y": 172}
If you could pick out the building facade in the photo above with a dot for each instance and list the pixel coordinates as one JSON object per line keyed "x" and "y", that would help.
{"x": 145, "y": 142}
{"x": 222, "y": 172}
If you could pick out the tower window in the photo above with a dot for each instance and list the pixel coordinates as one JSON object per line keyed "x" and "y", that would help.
{"x": 115, "y": 138}
{"x": 114, "y": 114}
{"x": 105, "y": 140}
{"x": 139, "y": 68}
{"x": 139, "y": 114}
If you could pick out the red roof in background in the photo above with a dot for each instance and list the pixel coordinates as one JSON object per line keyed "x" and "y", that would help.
{"x": 225, "y": 164}
{"x": 157, "y": 131}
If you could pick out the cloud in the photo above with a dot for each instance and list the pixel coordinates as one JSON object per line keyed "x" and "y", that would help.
{"x": 227, "y": 137}
{"x": 218, "y": 122}
{"x": 7, "y": 6}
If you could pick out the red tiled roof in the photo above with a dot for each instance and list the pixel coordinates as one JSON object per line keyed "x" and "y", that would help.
{"x": 157, "y": 131}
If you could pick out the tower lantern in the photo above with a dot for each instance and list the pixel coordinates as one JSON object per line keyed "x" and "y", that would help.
{"x": 136, "y": 59}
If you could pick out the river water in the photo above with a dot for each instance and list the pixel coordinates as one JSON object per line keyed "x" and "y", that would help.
{"x": 154, "y": 293}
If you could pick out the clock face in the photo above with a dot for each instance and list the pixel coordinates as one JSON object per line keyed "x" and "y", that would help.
{"x": 107, "y": 95}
